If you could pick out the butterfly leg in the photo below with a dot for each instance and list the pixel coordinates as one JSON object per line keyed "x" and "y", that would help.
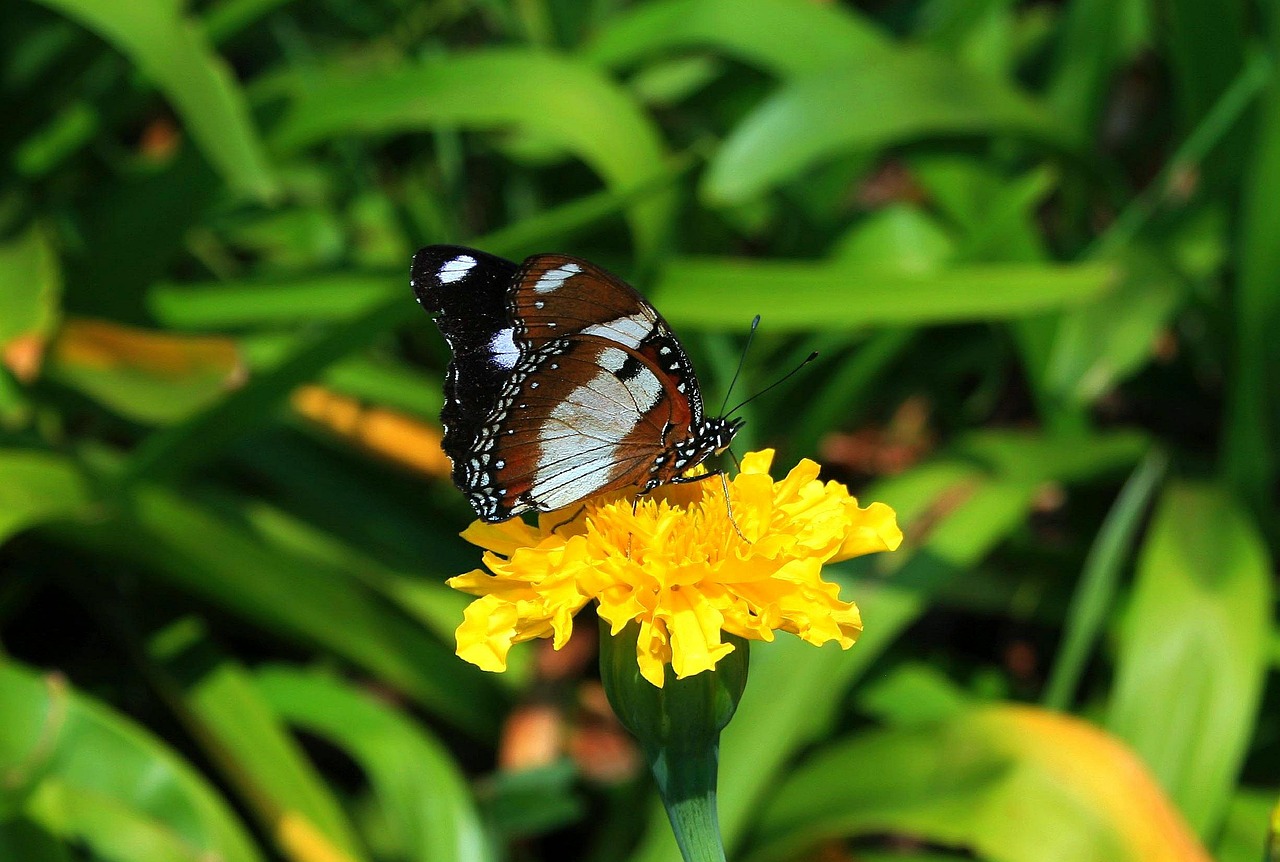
{"x": 728, "y": 504}
{"x": 571, "y": 518}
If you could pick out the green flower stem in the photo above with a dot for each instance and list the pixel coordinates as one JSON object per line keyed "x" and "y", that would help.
{"x": 678, "y": 727}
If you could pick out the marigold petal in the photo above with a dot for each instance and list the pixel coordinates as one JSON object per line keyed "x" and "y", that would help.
{"x": 876, "y": 529}
{"x": 653, "y": 652}
{"x": 694, "y": 626}
{"x": 502, "y": 538}
{"x": 488, "y": 629}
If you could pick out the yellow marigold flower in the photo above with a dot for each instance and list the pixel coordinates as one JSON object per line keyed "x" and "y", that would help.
{"x": 674, "y": 563}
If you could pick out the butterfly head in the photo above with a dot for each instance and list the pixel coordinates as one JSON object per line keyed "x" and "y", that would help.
{"x": 709, "y": 438}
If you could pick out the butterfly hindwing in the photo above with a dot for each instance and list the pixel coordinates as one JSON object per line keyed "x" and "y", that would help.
{"x": 592, "y": 419}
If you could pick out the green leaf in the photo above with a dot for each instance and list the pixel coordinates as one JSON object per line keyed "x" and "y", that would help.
{"x": 236, "y": 304}
{"x": 239, "y": 732}
{"x": 1099, "y": 344}
{"x": 1013, "y": 784}
{"x": 868, "y": 105}
{"x": 1193, "y": 653}
{"x": 1096, "y": 590}
{"x": 86, "y": 774}
{"x": 552, "y": 98}
{"x": 172, "y": 51}
{"x": 422, "y": 791}
{"x": 899, "y": 235}
{"x": 717, "y": 292}
{"x": 297, "y": 597}
{"x": 781, "y": 37}
{"x": 30, "y": 286}
{"x": 35, "y": 487}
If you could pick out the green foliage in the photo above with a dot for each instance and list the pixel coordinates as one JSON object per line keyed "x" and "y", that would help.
{"x": 1034, "y": 243}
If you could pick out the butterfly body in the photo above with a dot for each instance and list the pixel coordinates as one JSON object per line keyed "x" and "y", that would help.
{"x": 564, "y": 382}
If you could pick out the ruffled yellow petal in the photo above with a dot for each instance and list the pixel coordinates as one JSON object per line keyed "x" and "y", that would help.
{"x": 675, "y": 563}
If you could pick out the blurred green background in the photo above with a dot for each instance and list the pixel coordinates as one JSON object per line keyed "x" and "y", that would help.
{"x": 1036, "y": 243}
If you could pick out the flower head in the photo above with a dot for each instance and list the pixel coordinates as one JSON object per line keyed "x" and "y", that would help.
{"x": 675, "y": 563}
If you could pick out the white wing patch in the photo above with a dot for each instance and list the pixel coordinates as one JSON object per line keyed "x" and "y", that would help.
{"x": 554, "y": 279}
{"x": 502, "y": 349}
{"x": 630, "y": 331}
{"x": 456, "y": 269}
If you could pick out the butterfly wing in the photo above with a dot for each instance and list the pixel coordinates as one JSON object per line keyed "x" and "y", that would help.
{"x": 466, "y": 292}
{"x": 564, "y": 383}
{"x": 558, "y": 296}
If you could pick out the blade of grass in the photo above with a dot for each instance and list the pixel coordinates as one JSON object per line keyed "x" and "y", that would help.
{"x": 423, "y": 794}
{"x": 1098, "y": 581}
{"x": 217, "y": 701}
{"x": 1249, "y": 457}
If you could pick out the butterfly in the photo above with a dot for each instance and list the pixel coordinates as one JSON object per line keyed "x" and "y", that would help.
{"x": 564, "y": 382}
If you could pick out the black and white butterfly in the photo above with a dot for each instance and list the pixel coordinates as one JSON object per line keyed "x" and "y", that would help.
{"x": 565, "y": 382}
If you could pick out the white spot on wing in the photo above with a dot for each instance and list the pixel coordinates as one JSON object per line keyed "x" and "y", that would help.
{"x": 456, "y": 269}
{"x": 502, "y": 348}
{"x": 629, "y": 331}
{"x": 554, "y": 279}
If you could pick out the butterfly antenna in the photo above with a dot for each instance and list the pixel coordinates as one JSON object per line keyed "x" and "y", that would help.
{"x": 783, "y": 379}
{"x": 741, "y": 361}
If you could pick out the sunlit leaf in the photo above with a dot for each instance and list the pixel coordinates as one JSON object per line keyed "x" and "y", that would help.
{"x": 30, "y": 290}
{"x": 1194, "y": 651}
{"x": 35, "y": 486}
{"x": 1013, "y": 784}
{"x": 147, "y": 375}
{"x": 258, "y": 757}
{"x": 782, "y": 37}
{"x": 717, "y": 292}
{"x": 392, "y": 435}
{"x": 867, "y": 105}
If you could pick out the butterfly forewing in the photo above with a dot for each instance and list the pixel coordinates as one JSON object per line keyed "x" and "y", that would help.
{"x": 558, "y": 296}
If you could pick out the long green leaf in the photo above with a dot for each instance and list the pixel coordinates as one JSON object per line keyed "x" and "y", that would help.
{"x": 422, "y": 791}
{"x": 715, "y": 292}
{"x": 866, "y": 106}
{"x": 89, "y": 775}
{"x": 562, "y": 101}
{"x": 240, "y": 733}
{"x": 782, "y": 37}
{"x": 171, "y": 50}
{"x": 1013, "y": 784}
{"x": 1194, "y": 651}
